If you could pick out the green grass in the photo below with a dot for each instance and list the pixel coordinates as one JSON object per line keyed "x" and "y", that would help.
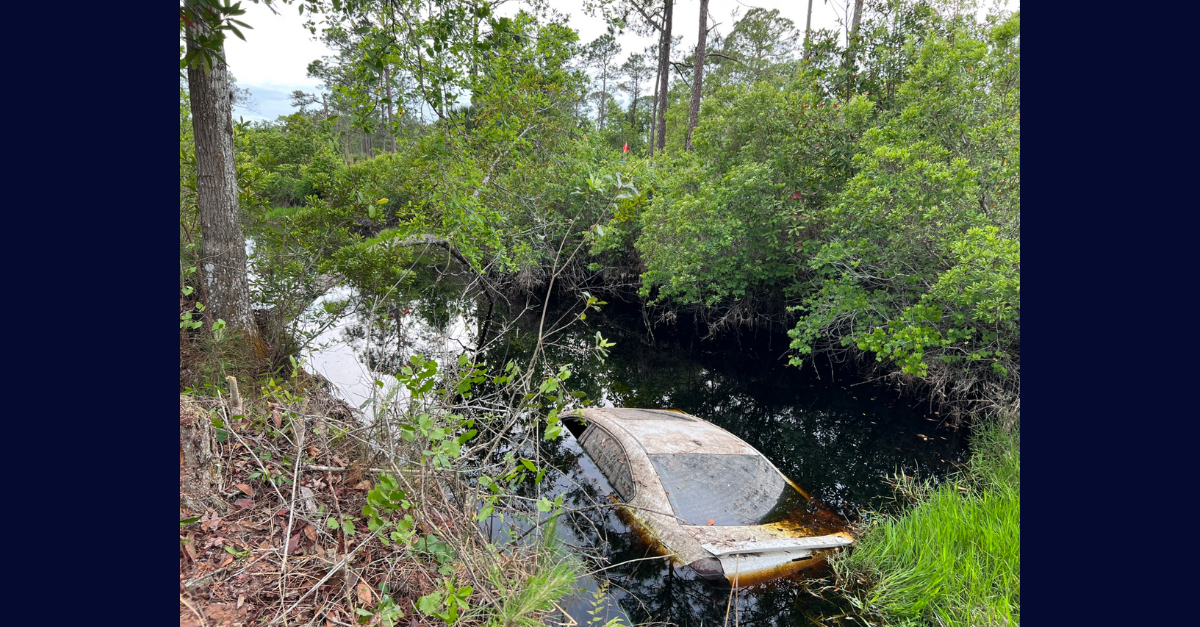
{"x": 954, "y": 558}
{"x": 526, "y": 604}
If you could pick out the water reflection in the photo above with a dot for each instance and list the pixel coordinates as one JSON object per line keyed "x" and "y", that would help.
{"x": 835, "y": 436}
{"x": 373, "y": 343}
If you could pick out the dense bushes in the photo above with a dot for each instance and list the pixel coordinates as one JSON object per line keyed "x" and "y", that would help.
{"x": 872, "y": 207}
{"x": 919, "y": 258}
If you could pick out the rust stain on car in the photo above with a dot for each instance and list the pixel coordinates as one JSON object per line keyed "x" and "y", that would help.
{"x": 698, "y": 493}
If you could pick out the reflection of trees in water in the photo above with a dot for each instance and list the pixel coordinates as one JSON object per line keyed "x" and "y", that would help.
{"x": 836, "y": 446}
{"x": 419, "y": 317}
{"x": 836, "y": 441}
{"x": 651, "y": 590}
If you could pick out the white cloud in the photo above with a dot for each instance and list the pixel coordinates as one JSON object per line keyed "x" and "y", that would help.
{"x": 274, "y": 60}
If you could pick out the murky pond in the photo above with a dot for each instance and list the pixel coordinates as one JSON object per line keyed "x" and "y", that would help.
{"x": 832, "y": 433}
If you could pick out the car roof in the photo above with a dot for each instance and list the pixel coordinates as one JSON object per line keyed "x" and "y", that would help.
{"x": 664, "y": 432}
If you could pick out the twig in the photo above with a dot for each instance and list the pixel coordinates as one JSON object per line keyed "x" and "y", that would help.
{"x": 737, "y": 563}
{"x": 336, "y": 567}
{"x": 194, "y": 609}
{"x": 287, "y": 536}
{"x": 640, "y": 559}
{"x": 340, "y": 468}
{"x": 220, "y": 571}
{"x": 242, "y": 441}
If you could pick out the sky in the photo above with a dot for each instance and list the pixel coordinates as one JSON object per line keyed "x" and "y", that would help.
{"x": 274, "y": 60}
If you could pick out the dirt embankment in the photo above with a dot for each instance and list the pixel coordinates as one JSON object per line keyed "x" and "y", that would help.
{"x": 256, "y": 545}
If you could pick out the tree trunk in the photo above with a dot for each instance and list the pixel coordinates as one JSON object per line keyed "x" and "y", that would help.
{"x": 603, "y": 95}
{"x": 654, "y": 103}
{"x": 199, "y": 477}
{"x": 633, "y": 108}
{"x": 698, "y": 80}
{"x": 222, "y": 247}
{"x": 858, "y": 4}
{"x": 664, "y": 69}
{"x": 852, "y": 45}
{"x": 807, "y": 27}
{"x": 387, "y": 83}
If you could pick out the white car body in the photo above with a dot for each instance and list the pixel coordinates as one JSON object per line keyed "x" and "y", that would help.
{"x": 732, "y": 514}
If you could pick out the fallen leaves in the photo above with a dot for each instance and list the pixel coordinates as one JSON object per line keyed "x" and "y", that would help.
{"x": 246, "y": 489}
{"x": 244, "y": 503}
{"x": 189, "y": 546}
{"x": 210, "y": 522}
{"x": 223, "y": 613}
{"x": 364, "y": 592}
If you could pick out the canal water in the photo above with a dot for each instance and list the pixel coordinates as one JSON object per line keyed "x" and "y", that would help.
{"x": 832, "y": 432}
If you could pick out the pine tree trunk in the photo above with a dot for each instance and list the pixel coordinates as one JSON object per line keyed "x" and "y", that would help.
{"x": 852, "y": 45}
{"x": 633, "y": 109}
{"x": 603, "y": 95}
{"x": 199, "y": 476}
{"x": 698, "y": 79}
{"x": 222, "y": 247}
{"x": 387, "y": 82}
{"x": 807, "y": 27}
{"x": 664, "y": 69}
{"x": 654, "y": 104}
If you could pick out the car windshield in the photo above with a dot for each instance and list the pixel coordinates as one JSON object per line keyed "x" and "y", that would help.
{"x": 725, "y": 489}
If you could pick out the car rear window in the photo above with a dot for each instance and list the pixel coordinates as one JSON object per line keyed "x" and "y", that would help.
{"x": 726, "y": 489}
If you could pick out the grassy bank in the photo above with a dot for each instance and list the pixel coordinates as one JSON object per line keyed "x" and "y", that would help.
{"x": 954, "y": 558}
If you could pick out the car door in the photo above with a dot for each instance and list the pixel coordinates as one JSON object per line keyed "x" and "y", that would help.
{"x": 610, "y": 457}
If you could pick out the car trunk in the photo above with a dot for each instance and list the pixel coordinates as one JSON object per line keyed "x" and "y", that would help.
{"x": 753, "y": 553}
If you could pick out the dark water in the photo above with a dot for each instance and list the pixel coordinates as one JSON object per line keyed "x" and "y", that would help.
{"x": 824, "y": 427}
{"x": 834, "y": 435}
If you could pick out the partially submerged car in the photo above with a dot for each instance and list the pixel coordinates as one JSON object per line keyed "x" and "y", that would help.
{"x": 706, "y": 498}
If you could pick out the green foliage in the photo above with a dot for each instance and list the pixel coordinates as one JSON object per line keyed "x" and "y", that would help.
{"x": 537, "y": 594}
{"x": 388, "y": 506}
{"x": 387, "y": 611}
{"x": 298, "y": 154}
{"x": 206, "y": 23}
{"x": 920, "y": 258}
{"x": 446, "y": 602}
{"x": 955, "y": 557}
{"x": 556, "y": 572}
{"x": 727, "y": 221}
